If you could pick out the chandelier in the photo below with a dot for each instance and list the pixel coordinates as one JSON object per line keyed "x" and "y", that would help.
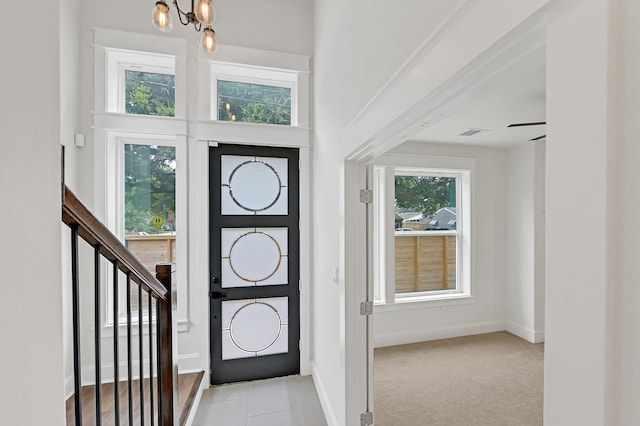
{"x": 202, "y": 15}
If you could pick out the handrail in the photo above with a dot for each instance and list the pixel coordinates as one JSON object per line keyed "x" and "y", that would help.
{"x": 161, "y": 288}
{"x": 74, "y": 213}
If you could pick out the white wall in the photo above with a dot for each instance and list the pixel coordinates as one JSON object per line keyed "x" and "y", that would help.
{"x": 360, "y": 45}
{"x": 624, "y": 199}
{"x": 592, "y": 372}
{"x": 69, "y": 98}
{"x": 539, "y": 252}
{"x": 578, "y": 280}
{"x": 485, "y": 311}
{"x": 31, "y": 314}
{"x": 524, "y": 218}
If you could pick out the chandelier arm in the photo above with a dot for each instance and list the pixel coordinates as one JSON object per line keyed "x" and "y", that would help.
{"x": 198, "y": 26}
{"x": 180, "y": 13}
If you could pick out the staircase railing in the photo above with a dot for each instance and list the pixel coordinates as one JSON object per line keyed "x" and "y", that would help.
{"x": 160, "y": 405}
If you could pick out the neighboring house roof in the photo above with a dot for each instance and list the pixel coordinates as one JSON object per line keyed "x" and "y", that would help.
{"x": 407, "y": 215}
{"x": 445, "y": 217}
{"x": 445, "y": 210}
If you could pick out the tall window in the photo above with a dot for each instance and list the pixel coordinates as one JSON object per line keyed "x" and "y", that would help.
{"x": 425, "y": 244}
{"x": 149, "y": 187}
{"x": 421, "y": 233}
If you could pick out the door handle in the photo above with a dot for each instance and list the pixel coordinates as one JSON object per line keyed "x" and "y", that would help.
{"x": 218, "y": 295}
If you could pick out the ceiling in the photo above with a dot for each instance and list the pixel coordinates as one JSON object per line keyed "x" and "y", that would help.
{"x": 514, "y": 95}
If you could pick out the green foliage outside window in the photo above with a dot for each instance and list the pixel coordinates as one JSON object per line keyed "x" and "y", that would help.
{"x": 424, "y": 194}
{"x": 150, "y": 93}
{"x": 149, "y": 187}
{"x": 254, "y": 103}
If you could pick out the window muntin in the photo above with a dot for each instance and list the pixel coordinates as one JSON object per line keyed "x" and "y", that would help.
{"x": 253, "y": 103}
{"x": 149, "y": 93}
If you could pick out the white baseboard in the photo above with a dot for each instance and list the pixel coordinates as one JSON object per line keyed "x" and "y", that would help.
{"x": 404, "y": 337}
{"x": 190, "y": 363}
{"x": 528, "y": 334}
{"x": 329, "y": 414}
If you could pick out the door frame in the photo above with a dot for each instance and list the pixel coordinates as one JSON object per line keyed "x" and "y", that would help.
{"x": 199, "y": 250}
{"x": 259, "y": 367}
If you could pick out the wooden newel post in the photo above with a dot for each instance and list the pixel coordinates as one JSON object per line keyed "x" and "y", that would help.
{"x": 167, "y": 348}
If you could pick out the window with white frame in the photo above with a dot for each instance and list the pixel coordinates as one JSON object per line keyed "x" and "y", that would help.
{"x": 145, "y": 188}
{"x": 254, "y": 94}
{"x": 142, "y": 178}
{"x": 140, "y": 83}
{"x": 422, "y": 234}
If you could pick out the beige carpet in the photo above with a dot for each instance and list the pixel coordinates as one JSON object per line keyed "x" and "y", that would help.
{"x": 489, "y": 379}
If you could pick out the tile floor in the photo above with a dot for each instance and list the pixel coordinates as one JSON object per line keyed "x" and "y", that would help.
{"x": 284, "y": 401}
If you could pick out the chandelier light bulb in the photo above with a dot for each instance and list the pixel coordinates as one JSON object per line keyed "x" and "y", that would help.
{"x": 205, "y": 12}
{"x": 160, "y": 17}
{"x": 208, "y": 40}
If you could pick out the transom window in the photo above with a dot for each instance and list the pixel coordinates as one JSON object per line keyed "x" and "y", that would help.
{"x": 141, "y": 83}
{"x": 253, "y": 103}
{"x": 254, "y": 95}
{"x": 149, "y": 93}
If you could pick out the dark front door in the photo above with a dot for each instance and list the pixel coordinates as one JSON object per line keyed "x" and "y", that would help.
{"x": 254, "y": 244}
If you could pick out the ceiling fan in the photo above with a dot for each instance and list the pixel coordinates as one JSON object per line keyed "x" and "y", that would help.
{"x": 532, "y": 123}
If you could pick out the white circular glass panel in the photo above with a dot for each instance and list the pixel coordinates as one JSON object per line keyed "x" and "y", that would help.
{"x": 254, "y": 186}
{"x": 255, "y": 256}
{"x": 255, "y": 327}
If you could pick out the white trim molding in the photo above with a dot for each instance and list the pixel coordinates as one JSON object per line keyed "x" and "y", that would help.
{"x": 528, "y": 334}
{"x": 251, "y": 133}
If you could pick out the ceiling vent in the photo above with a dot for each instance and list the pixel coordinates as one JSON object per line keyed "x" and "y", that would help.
{"x": 471, "y": 132}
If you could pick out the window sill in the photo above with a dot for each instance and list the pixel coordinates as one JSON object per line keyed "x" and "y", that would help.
{"x": 255, "y": 133}
{"x": 140, "y": 123}
{"x": 424, "y": 302}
